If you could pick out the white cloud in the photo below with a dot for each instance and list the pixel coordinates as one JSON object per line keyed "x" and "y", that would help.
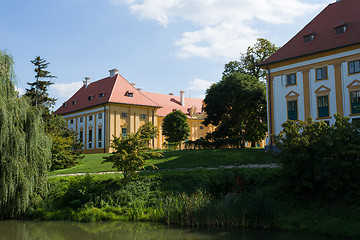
{"x": 65, "y": 90}
{"x": 199, "y": 84}
{"x": 225, "y": 27}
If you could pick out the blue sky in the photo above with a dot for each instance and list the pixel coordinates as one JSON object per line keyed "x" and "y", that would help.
{"x": 161, "y": 45}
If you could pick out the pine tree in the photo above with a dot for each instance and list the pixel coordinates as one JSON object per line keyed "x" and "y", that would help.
{"x": 38, "y": 93}
{"x": 64, "y": 142}
{"x": 24, "y": 147}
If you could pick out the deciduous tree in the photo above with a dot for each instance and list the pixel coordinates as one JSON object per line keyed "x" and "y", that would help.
{"x": 237, "y": 107}
{"x": 175, "y": 127}
{"x": 249, "y": 62}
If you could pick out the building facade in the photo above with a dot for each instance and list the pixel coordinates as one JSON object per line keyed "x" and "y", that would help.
{"x": 317, "y": 73}
{"x": 113, "y": 107}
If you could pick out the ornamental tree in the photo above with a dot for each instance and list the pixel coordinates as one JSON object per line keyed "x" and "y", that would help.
{"x": 148, "y": 132}
{"x": 130, "y": 154}
{"x": 175, "y": 127}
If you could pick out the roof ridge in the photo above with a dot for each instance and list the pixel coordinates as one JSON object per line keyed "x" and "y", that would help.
{"x": 135, "y": 90}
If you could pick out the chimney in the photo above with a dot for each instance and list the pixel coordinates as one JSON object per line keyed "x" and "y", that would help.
{"x": 113, "y": 72}
{"x": 182, "y": 98}
{"x": 86, "y": 82}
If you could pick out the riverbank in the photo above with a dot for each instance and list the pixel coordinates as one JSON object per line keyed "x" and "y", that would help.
{"x": 218, "y": 197}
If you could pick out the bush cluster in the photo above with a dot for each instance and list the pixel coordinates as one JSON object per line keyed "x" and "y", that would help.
{"x": 319, "y": 159}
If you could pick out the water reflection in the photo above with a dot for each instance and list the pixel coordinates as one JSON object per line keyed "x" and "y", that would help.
{"x": 29, "y": 230}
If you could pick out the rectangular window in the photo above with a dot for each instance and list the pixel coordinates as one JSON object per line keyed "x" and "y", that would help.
{"x": 99, "y": 134}
{"x": 321, "y": 73}
{"x": 99, "y": 145}
{"x": 292, "y": 110}
{"x": 81, "y": 119}
{"x": 90, "y": 118}
{"x": 71, "y": 121}
{"x": 291, "y": 79}
{"x": 124, "y": 132}
{"x": 354, "y": 67}
{"x": 355, "y": 102}
{"x": 124, "y": 115}
{"x": 323, "y": 106}
{"x": 81, "y": 136}
{"x": 201, "y": 127}
{"x": 90, "y": 145}
{"x": 142, "y": 116}
{"x": 100, "y": 116}
{"x": 90, "y": 135}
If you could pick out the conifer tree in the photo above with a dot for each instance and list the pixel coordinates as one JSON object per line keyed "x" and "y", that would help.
{"x": 64, "y": 141}
{"x": 38, "y": 93}
{"x": 24, "y": 147}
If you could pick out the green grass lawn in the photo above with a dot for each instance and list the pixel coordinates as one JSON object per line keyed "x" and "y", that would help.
{"x": 211, "y": 158}
{"x": 91, "y": 163}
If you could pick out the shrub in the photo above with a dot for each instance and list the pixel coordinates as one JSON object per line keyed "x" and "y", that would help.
{"x": 319, "y": 159}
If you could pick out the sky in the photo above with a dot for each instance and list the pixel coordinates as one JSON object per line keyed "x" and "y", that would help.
{"x": 161, "y": 45}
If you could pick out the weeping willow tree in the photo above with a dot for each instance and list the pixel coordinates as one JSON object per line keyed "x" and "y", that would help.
{"x": 24, "y": 147}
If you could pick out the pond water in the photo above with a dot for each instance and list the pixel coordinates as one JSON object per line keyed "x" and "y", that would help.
{"x": 62, "y": 230}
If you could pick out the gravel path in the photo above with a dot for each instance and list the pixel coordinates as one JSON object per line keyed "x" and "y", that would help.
{"x": 272, "y": 165}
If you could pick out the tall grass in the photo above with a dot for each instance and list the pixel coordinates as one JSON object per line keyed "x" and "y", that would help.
{"x": 201, "y": 209}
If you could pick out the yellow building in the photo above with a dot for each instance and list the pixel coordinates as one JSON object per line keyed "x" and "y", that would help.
{"x": 113, "y": 106}
{"x": 317, "y": 73}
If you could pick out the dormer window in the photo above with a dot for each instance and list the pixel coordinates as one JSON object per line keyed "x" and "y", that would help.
{"x": 101, "y": 95}
{"x": 74, "y": 102}
{"x": 129, "y": 94}
{"x": 64, "y": 104}
{"x": 309, "y": 37}
{"x": 340, "y": 28}
{"x": 90, "y": 98}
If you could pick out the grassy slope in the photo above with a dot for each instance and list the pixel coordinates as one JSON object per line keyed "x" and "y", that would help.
{"x": 179, "y": 159}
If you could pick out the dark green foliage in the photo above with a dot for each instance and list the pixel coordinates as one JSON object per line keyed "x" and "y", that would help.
{"x": 168, "y": 198}
{"x": 65, "y": 145}
{"x": 175, "y": 127}
{"x": 213, "y": 144}
{"x": 249, "y": 62}
{"x": 319, "y": 159}
{"x": 130, "y": 154}
{"x": 237, "y": 107}
{"x": 24, "y": 147}
{"x": 38, "y": 93}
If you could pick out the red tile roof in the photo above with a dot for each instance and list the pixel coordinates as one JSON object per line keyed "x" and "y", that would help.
{"x": 115, "y": 90}
{"x": 171, "y": 102}
{"x": 323, "y": 25}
